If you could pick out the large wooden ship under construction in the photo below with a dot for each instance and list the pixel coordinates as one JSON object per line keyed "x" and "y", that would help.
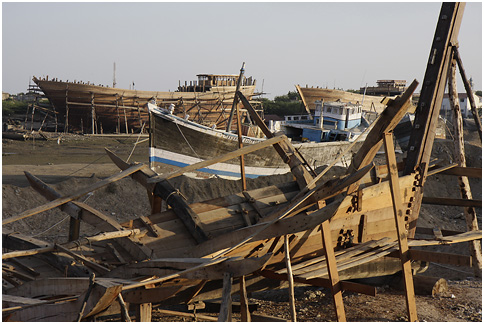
{"x": 96, "y": 109}
{"x": 314, "y": 230}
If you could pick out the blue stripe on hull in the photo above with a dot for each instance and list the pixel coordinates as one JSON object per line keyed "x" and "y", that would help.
{"x": 206, "y": 170}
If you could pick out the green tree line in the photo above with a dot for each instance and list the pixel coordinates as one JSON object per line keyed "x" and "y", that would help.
{"x": 288, "y": 104}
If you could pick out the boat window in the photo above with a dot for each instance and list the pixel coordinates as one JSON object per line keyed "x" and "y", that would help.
{"x": 289, "y": 118}
{"x": 341, "y": 111}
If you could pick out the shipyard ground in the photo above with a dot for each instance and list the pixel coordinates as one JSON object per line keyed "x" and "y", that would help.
{"x": 77, "y": 161}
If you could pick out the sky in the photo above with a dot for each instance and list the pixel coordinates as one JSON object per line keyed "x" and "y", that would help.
{"x": 157, "y": 44}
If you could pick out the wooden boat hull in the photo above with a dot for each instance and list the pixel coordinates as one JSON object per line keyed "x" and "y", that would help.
{"x": 311, "y": 94}
{"x": 123, "y": 110}
{"x": 177, "y": 142}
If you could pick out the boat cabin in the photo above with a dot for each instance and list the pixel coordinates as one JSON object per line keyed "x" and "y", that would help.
{"x": 205, "y": 82}
{"x": 332, "y": 121}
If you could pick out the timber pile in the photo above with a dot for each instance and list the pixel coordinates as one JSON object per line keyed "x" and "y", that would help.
{"x": 312, "y": 230}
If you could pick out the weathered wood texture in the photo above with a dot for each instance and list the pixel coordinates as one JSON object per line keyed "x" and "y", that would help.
{"x": 459, "y": 156}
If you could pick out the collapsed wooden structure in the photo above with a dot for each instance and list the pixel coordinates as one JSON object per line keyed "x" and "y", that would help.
{"x": 313, "y": 231}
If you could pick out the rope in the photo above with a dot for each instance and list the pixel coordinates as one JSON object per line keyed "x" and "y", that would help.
{"x": 36, "y": 235}
{"x": 137, "y": 142}
{"x": 190, "y": 145}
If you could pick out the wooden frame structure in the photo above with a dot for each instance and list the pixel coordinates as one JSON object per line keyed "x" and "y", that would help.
{"x": 313, "y": 231}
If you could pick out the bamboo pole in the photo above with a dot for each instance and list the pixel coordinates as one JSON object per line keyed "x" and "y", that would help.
{"x": 292, "y": 301}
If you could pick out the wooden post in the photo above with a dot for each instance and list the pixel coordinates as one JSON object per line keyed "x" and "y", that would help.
{"x": 124, "y": 310}
{"x": 226, "y": 305}
{"x": 244, "y": 301}
{"x": 336, "y": 289}
{"x": 74, "y": 227}
{"x": 460, "y": 159}
{"x": 125, "y": 118}
{"x": 400, "y": 224}
{"x": 468, "y": 88}
{"x": 143, "y": 312}
{"x": 239, "y": 133}
{"x": 66, "y": 125}
{"x": 93, "y": 114}
{"x": 118, "y": 128}
{"x": 292, "y": 301}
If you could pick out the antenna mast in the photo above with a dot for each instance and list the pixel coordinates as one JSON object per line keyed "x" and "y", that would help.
{"x": 114, "y": 75}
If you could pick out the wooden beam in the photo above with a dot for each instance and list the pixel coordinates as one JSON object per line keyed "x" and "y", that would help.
{"x": 400, "y": 225}
{"x": 77, "y": 194}
{"x": 336, "y": 289}
{"x": 440, "y": 257}
{"x": 462, "y": 171}
{"x": 469, "y": 92}
{"x": 184, "y": 314}
{"x": 433, "y": 87}
{"x": 452, "y": 202}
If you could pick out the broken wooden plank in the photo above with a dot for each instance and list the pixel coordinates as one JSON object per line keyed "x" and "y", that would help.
{"x": 161, "y": 267}
{"x": 73, "y": 244}
{"x": 77, "y": 194}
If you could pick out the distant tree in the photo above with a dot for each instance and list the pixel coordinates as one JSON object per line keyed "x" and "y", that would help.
{"x": 479, "y": 93}
{"x": 288, "y": 104}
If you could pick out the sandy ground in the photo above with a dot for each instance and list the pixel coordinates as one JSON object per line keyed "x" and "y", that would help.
{"x": 78, "y": 161}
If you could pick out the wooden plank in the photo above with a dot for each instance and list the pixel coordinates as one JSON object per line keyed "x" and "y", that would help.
{"x": 184, "y": 314}
{"x": 336, "y": 289}
{"x": 77, "y": 194}
{"x": 236, "y": 266}
{"x": 463, "y": 171}
{"x": 452, "y": 202}
{"x": 440, "y": 257}
{"x": 241, "y": 151}
{"x": 323, "y": 282}
{"x": 226, "y": 306}
{"x": 458, "y": 238}
{"x": 400, "y": 225}
{"x": 430, "y": 101}
{"x": 143, "y": 312}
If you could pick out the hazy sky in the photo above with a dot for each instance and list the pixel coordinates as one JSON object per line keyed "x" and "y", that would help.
{"x": 282, "y": 43}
